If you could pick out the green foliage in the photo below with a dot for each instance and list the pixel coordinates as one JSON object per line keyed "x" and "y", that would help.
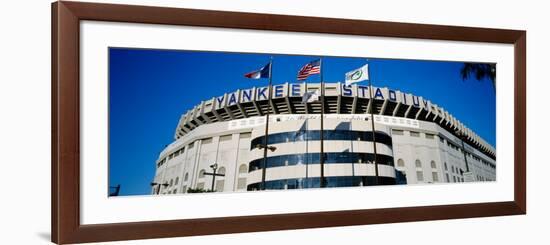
{"x": 480, "y": 71}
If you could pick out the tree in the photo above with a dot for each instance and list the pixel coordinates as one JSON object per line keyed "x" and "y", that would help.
{"x": 480, "y": 71}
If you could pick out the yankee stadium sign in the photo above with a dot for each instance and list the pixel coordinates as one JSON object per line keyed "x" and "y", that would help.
{"x": 331, "y": 89}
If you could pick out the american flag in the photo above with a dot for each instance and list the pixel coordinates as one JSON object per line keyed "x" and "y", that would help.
{"x": 310, "y": 68}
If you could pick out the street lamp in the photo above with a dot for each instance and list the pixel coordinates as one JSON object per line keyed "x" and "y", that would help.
{"x": 269, "y": 147}
{"x": 214, "y": 174}
{"x": 265, "y": 148}
{"x": 468, "y": 175}
{"x": 159, "y": 185}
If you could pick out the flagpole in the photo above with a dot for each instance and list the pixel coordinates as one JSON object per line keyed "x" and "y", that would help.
{"x": 267, "y": 123}
{"x": 371, "y": 109}
{"x": 322, "y": 158}
{"x": 307, "y": 137}
{"x": 351, "y": 148}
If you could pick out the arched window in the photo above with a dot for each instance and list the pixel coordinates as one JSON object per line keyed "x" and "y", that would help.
{"x": 243, "y": 169}
{"x": 221, "y": 171}
{"x": 201, "y": 173}
{"x": 418, "y": 163}
{"x": 432, "y": 164}
{"x": 171, "y": 182}
{"x": 186, "y": 177}
{"x": 400, "y": 163}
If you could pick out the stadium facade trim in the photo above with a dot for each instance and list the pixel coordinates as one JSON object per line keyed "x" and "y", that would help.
{"x": 417, "y": 141}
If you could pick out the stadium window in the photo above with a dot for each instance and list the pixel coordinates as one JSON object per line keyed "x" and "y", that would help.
{"x": 447, "y": 178}
{"x": 418, "y": 163}
{"x": 206, "y": 141}
{"x": 429, "y": 136}
{"x": 177, "y": 180}
{"x": 397, "y": 132}
{"x": 221, "y": 171}
{"x": 419, "y": 175}
{"x": 400, "y": 163}
{"x": 186, "y": 177}
{"x": 414, "y": 134}
{"x": 432, "y": 164}
{"x": 219, "y": 185}
{"x": 446, "y": 168}
{"x": 243, "y": 169}
{"x": 435, "y": 177}
{"x": 241, "y": 183}
{"x": 226, "y": 137}
{"x": 245, "y": 135}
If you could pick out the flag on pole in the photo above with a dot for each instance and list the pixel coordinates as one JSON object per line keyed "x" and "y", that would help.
{"x": 311, "y": 96}
{"x": 300, "y": 134}
{"x": 262, "y": 73}
{"x": 357, "y": 75}
{"x": 310, "y": 68}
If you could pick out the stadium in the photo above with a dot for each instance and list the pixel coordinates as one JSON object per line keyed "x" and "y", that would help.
{"x": 219, "y": 144}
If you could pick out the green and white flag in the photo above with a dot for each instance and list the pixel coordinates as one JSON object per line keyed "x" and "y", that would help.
{"x": 357, "y": 75}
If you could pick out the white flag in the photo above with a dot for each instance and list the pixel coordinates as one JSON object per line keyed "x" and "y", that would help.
{"x": 357, "y": 75}
{"x": 310, "y": 96}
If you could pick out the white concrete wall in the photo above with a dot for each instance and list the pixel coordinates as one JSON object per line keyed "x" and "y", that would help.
{"x": 202, "y": 148}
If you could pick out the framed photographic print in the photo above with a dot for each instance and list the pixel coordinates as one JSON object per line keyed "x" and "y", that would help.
{"x": 177, "y": 122}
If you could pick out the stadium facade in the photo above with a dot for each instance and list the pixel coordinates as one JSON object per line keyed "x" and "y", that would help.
{"x": 416, "y": 142}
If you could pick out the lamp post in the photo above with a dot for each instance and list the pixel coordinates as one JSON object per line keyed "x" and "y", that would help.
{"x": 468, "y": 176}
{"x": 265, "y": 147}
{"x": 159, "y": 186}
{"x": 214, "y": 174}
{"x": 269, "y": 147}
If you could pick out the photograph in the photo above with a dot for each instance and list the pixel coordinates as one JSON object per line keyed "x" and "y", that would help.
{"x": 193, "y": 121}
{"x": 174, "y": 120}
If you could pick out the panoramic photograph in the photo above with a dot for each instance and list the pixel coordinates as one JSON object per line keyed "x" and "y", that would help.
{"x": 184, "y": 122}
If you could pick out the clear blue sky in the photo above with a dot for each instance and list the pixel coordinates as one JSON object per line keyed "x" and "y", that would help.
{"x": 150, "y": 89}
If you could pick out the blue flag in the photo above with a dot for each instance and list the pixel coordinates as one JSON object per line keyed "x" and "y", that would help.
{"x": 262, "y": 73}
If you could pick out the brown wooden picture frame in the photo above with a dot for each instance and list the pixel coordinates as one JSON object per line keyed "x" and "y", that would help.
{"x": 65, "y": 181}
